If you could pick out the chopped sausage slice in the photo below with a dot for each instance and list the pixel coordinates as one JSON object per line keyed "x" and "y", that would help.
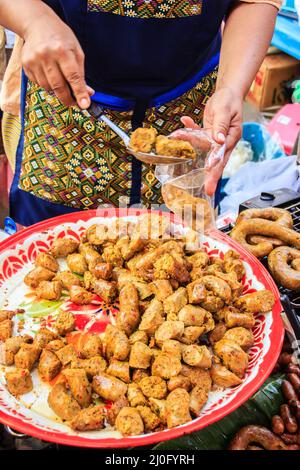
{"x": 117, "y": 343}
{"x": 49, "y": 365}
{"x": 27, "y": 356}
{"x": 172, "y": 347}
{"x": 101, "y": 270}
{"x": 66, "y": 354}
{"x": 242, "y": 336}
{"x": 106, "y": 290}
{"x": 138, "y": 336}
{"x": 176, "y": 301}
{"x": 37, "y": 275}
{"x": 177, "y": 408}
{"x": 49, "y": 290}
{"x": 232, "y": 356}
{"x": 151, "y": 421}
{"x": 198, "y": 398}
{"x": 166, "y": 366}
{"x": 89, "y": 419}
{"x": 197, "y": 376}
{"x": 55, "y": 345}
{"x": 89, "y": 345}
{"x": 47, "y": 261}
{"x": 140, "y": 356}
{"x": 196, "y": 292}
{"x": 77, "y": 263}
{"x": 197, "y": 356}
{"x": 62, "y": 247}
{"x": 115, "y": 409}
{"x": 262, "y": 301}
{"x": 18, "y": 381}
{"x": 6, "y": 329}
{"x": 42, "y": 337}
{"x": 191, "y": 334}
{"x": 152, "y": 317}
{"x": 80, "y": 296}
{"x": 79, "y": 385}
{"x": 129, "y": 422}
{"x": 119, "y": 369}
{"x": 192, "y": 315}
{"x": 67, "y": 279}
{"x": 162, "y": 289}
{"x": 179, "y": 382}
{"x": 108, "y": 387}
{"x": 9, "y": 349}
{"x": 154, "y": 387}
{"x": 223, "y": 377}
{"x": 65, "y": 323}
{"x": 135, "y": 395}
{"x": 62, "y": 403}
{"x": 9, "y": 314}
{"x": 169, "y": 330}
{"x": 139, "y": 374}
{"x": 93, "y": 366}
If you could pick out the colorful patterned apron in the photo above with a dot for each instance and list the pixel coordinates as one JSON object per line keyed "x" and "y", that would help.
{"x": 151, "y": 62}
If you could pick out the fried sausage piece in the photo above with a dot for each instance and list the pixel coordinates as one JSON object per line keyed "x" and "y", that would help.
{"x": 77, "y": 263}
{"x": 166, "y": 366}
{"x": 152, "y": 317}
{"x": 191, "y": 315}
{"x": 218, "y": 287}
{"x": 129, "y": 314}
{"x": 49, "y": 290}
{"x": 90, "y": 254}
{"x": 234, "y": 318}
{"x": 89, "y": 419}
{"x": 80, "y": 296}
{"x": 9, "y": 349}
{"x": 143, "y": 139}
{"x": 169, "y": 330}
{"x": 179, "y": 382}
{"x": 37, "y": 275}
{"x": 9, "y": 314}
{"x": 198, "y": 398}
{"x": 191, "y": 334}
{"x": 217, "y": 333}
{"x": 197, "y": 356}
{"x": 18, "y": 381}
{"x": 242, "y": 336}
{"x": 55, "y": 345}
{"x": 138, "y": 336}
{"x": 108, "y": 387}
{"x": 101, "y": 270}
{"x": 233, "y": 263}
{"x": 135, "y": 395}
{"x": 129, "y": 422}
{"x": 199, "y": 259}
{"x": 65, "y": 323}
{"x": 117, "y": 343}
{"x": 197, "y": 376}
{"x": 27, "y": 356}
{"x": 196, "y": 291}
{"x": 66, "y": 354}
{"x": 169, "y": 266}
{"x": 67, "y": 279}
{"x": 62, "y": 403}
{"x": 89, "y": 345}
{"x": 115, "y": 409}
{"x": 159, "y": 408}
{"x": 172, "y": 347}
{"x": 42, "y": 337}
{"x": 232, "y": 355}
{"x": 93, "y": 366}
{"x": 275, "y": 214}
{"x": 6, "y": 329}
{"x": 49, "y": 365}
{"x": 47, "y": 261}
{"x": 62, "y": 247}
{"x": 176, "y": 301}
{"x": 261, "y": 301}
{"x": 224, "y": 377}
{"x": 119, "y": 369}
{"x": 258, "y": 435}
{"x": 140, "y": 356}
{"x": 79, "y": 385}
{"x": 162, "y": 289}
{"x": 139, "y": 374}
{"x": 154, "y": 387}
{"x": 106, "y": 290}
{"x": 151, "y": 421}
{"x": 177, "y": 408}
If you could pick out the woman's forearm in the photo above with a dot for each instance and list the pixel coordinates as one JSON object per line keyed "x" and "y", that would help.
{"x": 247, "y": 35}
{"x": 19, "y": 15}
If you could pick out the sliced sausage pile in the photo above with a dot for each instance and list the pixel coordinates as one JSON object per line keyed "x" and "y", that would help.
{"x": 183, "y": 328}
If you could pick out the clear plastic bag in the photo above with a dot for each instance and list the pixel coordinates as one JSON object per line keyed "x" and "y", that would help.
{"x": 183, "y": 184}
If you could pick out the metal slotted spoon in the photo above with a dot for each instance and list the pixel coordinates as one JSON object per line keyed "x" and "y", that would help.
{"x": 150, "y": 158}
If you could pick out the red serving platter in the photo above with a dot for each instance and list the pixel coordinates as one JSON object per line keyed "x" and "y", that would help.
{"x": 16, "y": 256}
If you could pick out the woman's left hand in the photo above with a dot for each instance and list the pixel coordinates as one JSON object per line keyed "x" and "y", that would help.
{"x": 223, "y": 121}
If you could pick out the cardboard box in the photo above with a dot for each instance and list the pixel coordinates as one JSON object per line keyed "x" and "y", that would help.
{"x": 267, "y": 89}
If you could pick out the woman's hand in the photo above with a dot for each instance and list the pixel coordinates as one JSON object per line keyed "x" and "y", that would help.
{"x": 223, "y": 122}
{"x": 52, "y": 57}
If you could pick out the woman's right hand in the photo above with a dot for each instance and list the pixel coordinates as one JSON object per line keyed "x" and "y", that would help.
{"x": 52, "y": 57}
